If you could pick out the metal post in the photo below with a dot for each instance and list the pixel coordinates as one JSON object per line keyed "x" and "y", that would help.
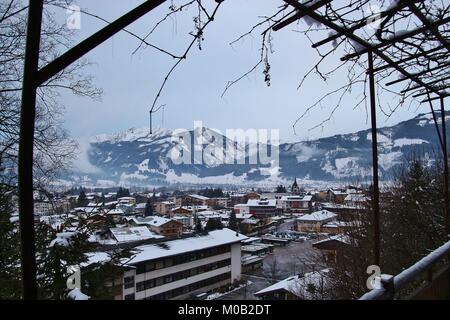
{"x": 446, "y": 174}
{"x": 26, "y": 139}
{"x": 376, "y": 190}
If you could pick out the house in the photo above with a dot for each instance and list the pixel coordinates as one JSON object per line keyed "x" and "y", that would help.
{"x": 313, "y": 222}
{"x": 187, "y": 221}
{"x": 259, "y": 208}
{"x": 126, "y": 200}
{"x": 43, "y": 208}
{"x": 236, "y": 198}
{"x": 181, "y": 211}
{"x": 183, "y": 268}
{"x": 337, "y": 226}
{"x": 131, "y": 234}
{"x": 336, "y": 196}
{"x": 333, "y": 246}
{"x": 191, "y": 200}
{"x": 140, "y": 208}
{"x": 160, "y": 225}
{"x": 218, "y": 202}
{"x": 311, "y": 286}
{"x": 250, "y": 225}
{"x": 357, "y": 200}
{"x": 296, "y": 203}
{"x": 164, "y": 207}
{"x": 117, "y": 215}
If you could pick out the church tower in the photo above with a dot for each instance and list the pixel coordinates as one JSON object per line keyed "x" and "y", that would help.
{"x": 295, "y": 188}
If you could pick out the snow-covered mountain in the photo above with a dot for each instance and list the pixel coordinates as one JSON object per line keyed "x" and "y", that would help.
{"x": 135, "y": 157}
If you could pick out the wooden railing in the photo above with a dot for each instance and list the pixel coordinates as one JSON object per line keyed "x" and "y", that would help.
{"x": 436, "y": 269}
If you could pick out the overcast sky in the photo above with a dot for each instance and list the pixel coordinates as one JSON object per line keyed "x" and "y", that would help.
{"x": 130, "y": 82}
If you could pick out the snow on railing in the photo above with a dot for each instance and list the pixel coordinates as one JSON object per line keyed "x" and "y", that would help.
{"x": 406, "y": 276}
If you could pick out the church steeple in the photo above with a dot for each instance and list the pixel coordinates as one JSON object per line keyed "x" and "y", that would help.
{"x": 295, "y": 188}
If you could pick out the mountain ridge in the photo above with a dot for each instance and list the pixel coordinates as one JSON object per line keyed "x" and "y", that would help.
{"x": 134, "y": 157}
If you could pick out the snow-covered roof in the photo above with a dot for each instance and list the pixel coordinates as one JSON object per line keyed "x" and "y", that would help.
{"x": 318, "y": 216}
{"x": 154, "y": 221}
{"x": 340, "y": 237}
{"x": 339, "y": 192}
{"x": 299, "y": 285}
{"x": 291, "y": 198}
{"x": 133, "y": 234}
{"x": 243, "y": 215}
{"x": 250, "y": 221}
{"x": 179, "y": 246}
{"x": 307, "y": 198}
{"x": 141, "y": 206}
{"x": 356, "y": 197}
{"x": 262, "y": 203}
{"x": 199, "y": 197}
{"x": 96, "y": 257}
{"x": 115, "y": 211}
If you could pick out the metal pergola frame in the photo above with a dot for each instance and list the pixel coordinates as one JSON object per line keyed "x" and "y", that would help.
{"x": 33, "y": 77}
{"x": 371, "y": 50}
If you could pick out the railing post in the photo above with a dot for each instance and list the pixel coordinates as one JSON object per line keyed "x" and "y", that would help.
{"x": 376, "y": 190}
{"x": 446, "y": 173}
{"x": 26, "y": 142}
{"x": 387, "y": 281}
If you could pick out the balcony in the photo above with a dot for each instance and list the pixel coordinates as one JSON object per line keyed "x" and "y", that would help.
{"x": 428, "y": 279}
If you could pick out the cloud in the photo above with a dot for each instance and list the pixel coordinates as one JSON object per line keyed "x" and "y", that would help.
{"x": 82, "y": 162}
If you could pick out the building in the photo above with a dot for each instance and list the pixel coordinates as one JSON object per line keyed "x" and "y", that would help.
{"x": 336, "y": 196}
{"x": 131, "y": 234}
{"x": 258, "y": 208}
{"x": 357, "y": 200}
{"x": 334, "y": 246}
{"x": 311, "y": 286}
{"x": 218, "y": 202}
{"x": 313, "y": 222}
{"x": 295, "y": 189}
{"x": 160, "y": 225}
{"x": 126, "y": 200}
{"x": 187, "y": 221}
{"x": 180, "y": 269}
{"x": 296, "y": 203}
{"x": 164, "y": 207}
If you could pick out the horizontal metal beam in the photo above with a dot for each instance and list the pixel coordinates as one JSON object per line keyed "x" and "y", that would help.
{"x": 360, "y": 24}
{"x": 426, "y": 22}
{"x": 435, "y": 98}
{"x": 428, "y": 84}
{"x": 72, "y": 55}
{"x": 299, "y": 15}
{"x": 326, "y": 22}
{"x": 409, "y": 58}
{"x": 441, "y": 66}
{"x": 397, "y": 38}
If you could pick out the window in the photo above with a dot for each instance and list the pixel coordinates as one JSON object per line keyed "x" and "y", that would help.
{"x": 140, "y": 268}
{"x": 128, "y": 282}
{"x": 129, "y": 297}
{"x": 159, "y": 265}
{"x": 159, "y": 282}
{"x": 140, "y": 286}
{"x": 168, "y": 262}
{"x": 149, "y": 266}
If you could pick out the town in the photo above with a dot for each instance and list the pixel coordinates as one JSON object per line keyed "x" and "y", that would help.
{"x": 211, "y": 244}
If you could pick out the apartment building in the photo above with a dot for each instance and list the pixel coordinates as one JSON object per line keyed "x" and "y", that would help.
{"x": 179, "y": 269}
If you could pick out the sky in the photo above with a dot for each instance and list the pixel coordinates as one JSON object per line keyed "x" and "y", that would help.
{"x": 193, "y": 92}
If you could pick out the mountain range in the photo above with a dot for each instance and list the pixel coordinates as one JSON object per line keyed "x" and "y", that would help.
{"x": 136, "y": 157}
